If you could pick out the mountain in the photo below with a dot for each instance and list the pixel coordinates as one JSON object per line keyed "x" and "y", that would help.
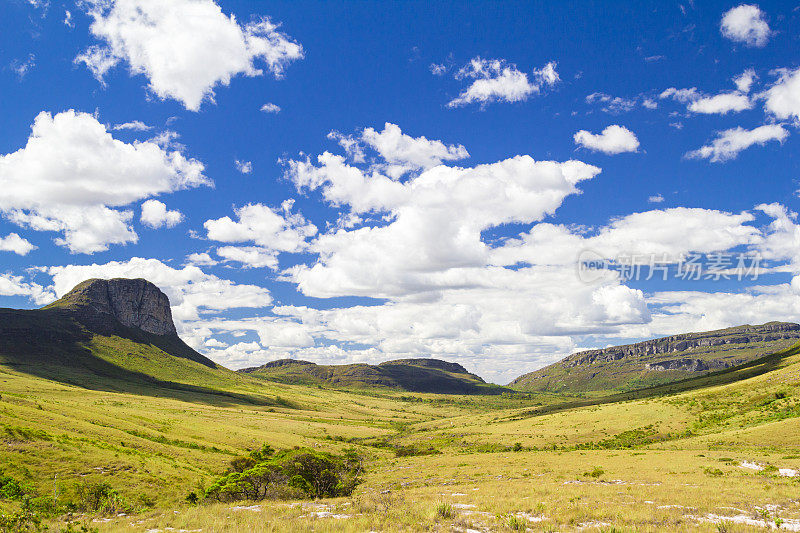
{"x": 115, "y": 334}
{"x": 659, "y": 361}
{"x": 414, "y": 375}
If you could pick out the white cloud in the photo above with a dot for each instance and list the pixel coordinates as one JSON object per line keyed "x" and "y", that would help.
{"x": 721, "y": 103}
{"x": 250, "y": 256}
{"x": 14, "y": 243}
{"x": 271, "y": 230}
{"x": 201, "y": 259}
{"x": 401, "y": 153}
{"x": 68, "y": 19}
{"x": 680, "y": 95}
{"x": 270, "y": 108}
{"x": 136, "y": 125}
{"x": 783, "y": 98}
{"x": 729, "y": 143}
{"x": 612, "y": 140}
{"x": 745, "y": 24}
{"x": 438, "y": 69}
{"x": 496, "y": 80}
{"x": 656, "y": 199}
{"x": 156, "y": 215}
{"x": 612, "y": 104}
{"x": 663, "y": 234}
{"x": 72, "y": 177}
{"x": 22, "y": 67}
{"x": 404, "y": 256}
{"x": 245, "y": 167}
{"x": 744, "y": 81}
{"x": 11, "y": 285}
{"x": 192, "y": 292}
{"x": 205, "y": 48}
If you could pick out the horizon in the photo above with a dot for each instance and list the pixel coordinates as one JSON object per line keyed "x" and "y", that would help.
{"x": 571, "y": 177}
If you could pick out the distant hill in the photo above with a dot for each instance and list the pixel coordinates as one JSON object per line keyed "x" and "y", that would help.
{"x": 660, "y": 361}
{"x": 113, "y": 334}
{"x": 414, "y": 375}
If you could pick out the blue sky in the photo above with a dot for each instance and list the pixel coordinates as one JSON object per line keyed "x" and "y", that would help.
{"x": 424, "y": 181}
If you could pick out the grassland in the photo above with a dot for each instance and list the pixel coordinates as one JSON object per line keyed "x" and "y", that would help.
{"x": 670, "y": 460}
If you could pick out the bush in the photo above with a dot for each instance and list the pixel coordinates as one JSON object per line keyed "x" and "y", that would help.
{"x": 444, "y": 510}
{"x": 296, "y": 473}
{"x": 595, "y": 472}
{"x": 98, "y": 497}
{"x": 410, "y": 451}
{"x": 516, "y": 523}
{"x": 12, "y": 489}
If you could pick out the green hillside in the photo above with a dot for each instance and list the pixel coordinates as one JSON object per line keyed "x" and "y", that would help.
{"x": 659, "y": 361}
{"x": 415, "y": 375}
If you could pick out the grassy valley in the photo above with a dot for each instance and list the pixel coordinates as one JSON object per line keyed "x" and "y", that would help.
{"x": 123, "y": 430}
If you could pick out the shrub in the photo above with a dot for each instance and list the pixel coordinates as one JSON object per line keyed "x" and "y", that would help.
{"x": 98, "y": 497}
{"x": 713, "y": 472}
{"x": 296, "y": 473}
{"x": 12, "y": 489}
{"x": 444, "y": 510}
{"x": 595, "y": 472}
{"x": 411, "y": 450}
{"x": 516, "y": 523}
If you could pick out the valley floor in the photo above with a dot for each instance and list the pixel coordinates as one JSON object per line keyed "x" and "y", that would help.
{"x": 718, "y": 458}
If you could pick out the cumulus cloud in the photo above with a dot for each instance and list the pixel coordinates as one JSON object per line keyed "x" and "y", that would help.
{"x": 192, "y": 292}
{"x": 783, "y": 97}
{"x": 666, "y": 234}
{"x": 201, "y": 259}
{"x": 496, "y": 80}
{"x": 73, "y": 177}
{"x": 185, "y": 48}
{"x": 399, "y": 153}
{"x": 614, "y": 139}
{"x": 156, "y": 215}
{"x": 270, "y": 230}
{"x": 721, "y": 104}
{"x": 656, "y": 199}
{"x": 245, "y": 167}
{"x": 270, "y": 108}
{"x": 729, "y": 143}
{"x": 404, "y": 256}
{"x": 11, "y": 285}
{"x": 136, "y": 125}
{"x": 14, "y": 243}
{"x": 744, "y": 81}
{"x": 745, "y": 24}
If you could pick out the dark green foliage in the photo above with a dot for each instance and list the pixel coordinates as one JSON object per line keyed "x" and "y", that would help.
{"x": 98, "y": 497}
{"x": 417, "y": 375}
{"x": 411, "y": 450}
{"x": 12, "y": 489}
{"x": 299, "y": 472}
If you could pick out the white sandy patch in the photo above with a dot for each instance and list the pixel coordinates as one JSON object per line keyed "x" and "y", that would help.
{"x": 254, "y": 508}
{"x": 750, "y": 465}
{"x": 786, "y": 524}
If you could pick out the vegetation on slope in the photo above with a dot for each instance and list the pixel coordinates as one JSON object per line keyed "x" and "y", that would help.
{"x": 415, "y": 375}
{"x": 659, "y": 361}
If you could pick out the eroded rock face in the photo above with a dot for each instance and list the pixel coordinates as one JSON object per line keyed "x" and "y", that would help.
{"x": 135, "y": 303}
{"x": 678, "y": 343}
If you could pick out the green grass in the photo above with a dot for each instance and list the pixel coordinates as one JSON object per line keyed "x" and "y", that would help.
{"x": 653, "y": 460}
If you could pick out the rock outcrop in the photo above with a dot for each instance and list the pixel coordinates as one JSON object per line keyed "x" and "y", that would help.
{"x": 134, "y": 303}
{"x": 770, "y": 331}
{"x": 658, "y": 361}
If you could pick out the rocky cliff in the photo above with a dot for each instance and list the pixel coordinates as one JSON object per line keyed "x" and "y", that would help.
{"x": 770, "y": 331}
{"x": 659, "y": 361}
{"x": 134, "y": 303}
